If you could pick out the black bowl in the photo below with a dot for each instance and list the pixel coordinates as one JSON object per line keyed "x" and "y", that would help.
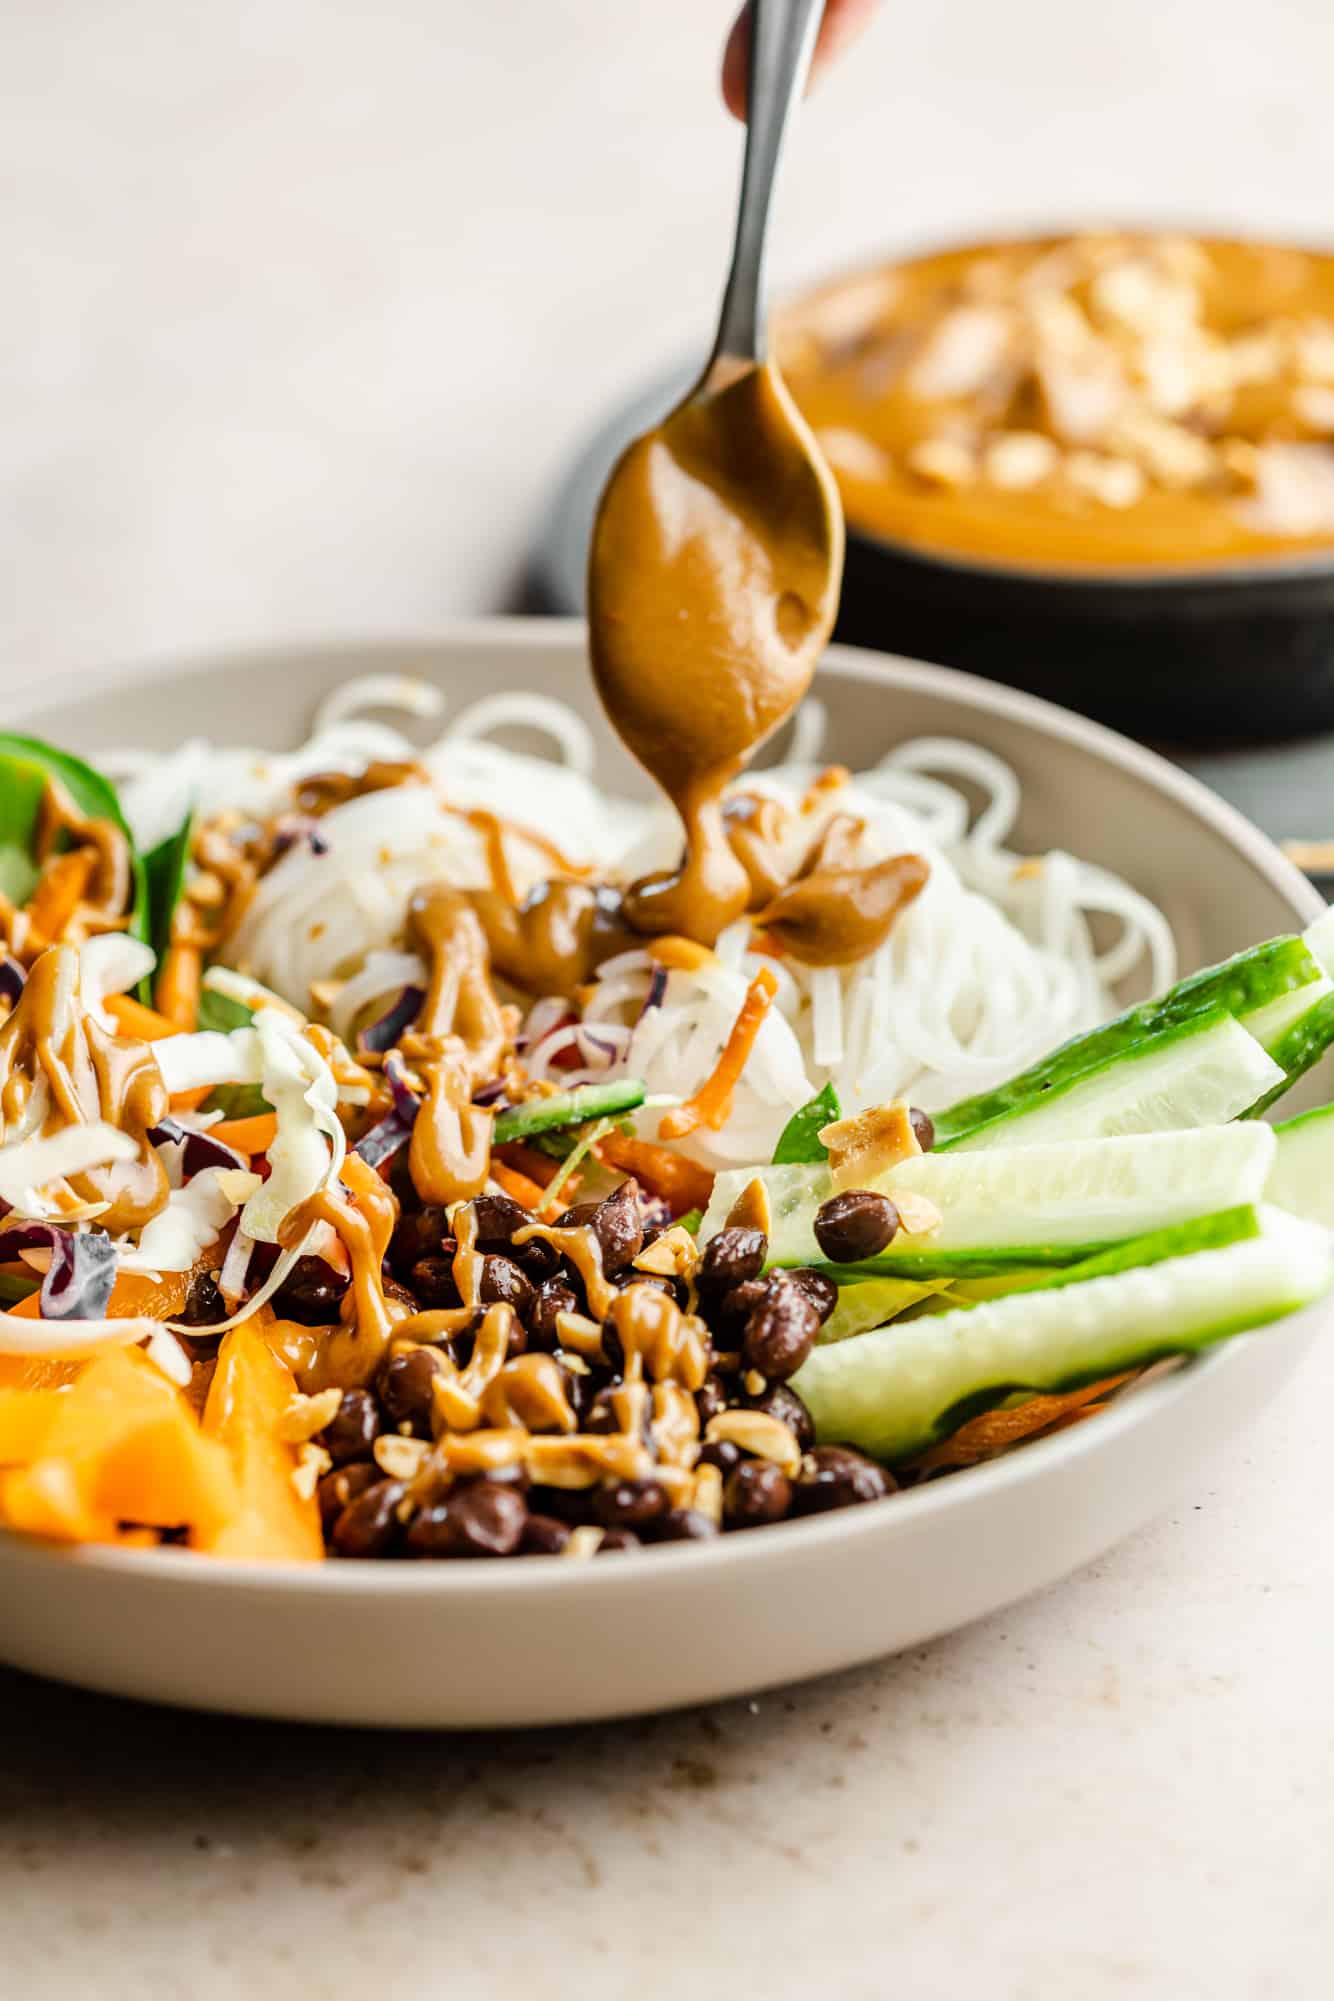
{"x": 1239, "y": 652}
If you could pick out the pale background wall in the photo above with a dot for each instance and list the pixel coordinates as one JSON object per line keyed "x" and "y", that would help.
{"x": 305, "y": 300}
{"x": 304, "y": 303}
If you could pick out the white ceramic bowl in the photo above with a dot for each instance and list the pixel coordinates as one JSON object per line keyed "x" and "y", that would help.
{"x": 515, "y": 1643}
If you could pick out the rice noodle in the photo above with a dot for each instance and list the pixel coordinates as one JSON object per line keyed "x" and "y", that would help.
{"x": 995, "y": 962}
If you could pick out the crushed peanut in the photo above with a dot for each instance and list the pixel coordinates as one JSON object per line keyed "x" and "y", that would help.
{"x": 400, "y": 1458}
{"x": 304, "y": 1416}
{"x": 312, "y": 1463}
{"x": 755, "y": 1431}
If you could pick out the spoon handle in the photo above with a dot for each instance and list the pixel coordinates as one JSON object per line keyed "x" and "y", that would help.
{"x": 782, "y": 39}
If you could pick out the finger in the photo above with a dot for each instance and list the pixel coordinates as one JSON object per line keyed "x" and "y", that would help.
{"x": 843, "y": 19}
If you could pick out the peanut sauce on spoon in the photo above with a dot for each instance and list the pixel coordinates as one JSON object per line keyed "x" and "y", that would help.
{"x": 712, "y": 585}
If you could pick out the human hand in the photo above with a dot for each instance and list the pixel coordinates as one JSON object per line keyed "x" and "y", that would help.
{"x": 843, "y": 19}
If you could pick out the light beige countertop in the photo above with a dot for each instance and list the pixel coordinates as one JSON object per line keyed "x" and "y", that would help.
{"x": 305, "y": 306}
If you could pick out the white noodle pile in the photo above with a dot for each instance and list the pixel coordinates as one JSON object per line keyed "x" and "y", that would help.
{"x": 992, "y": 965}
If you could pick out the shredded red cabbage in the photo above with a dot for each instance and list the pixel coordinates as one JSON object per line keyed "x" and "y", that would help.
{"x": 395, "y": 1074}
{"x": 12, "y": 978}
{"x": 200, "y": 1150}
{"x": 490, "y": 1094}
{"x": 384, "y": 1140}
{"x": 657, "y": 990}
{"x": 300, "y": 828}
{"x": 381, "y": 1035}
{"x": 77, "y": 1285}
{"x": 394, "y": 1130}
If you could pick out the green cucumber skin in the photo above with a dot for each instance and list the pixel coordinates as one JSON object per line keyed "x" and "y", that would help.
{"x": 1299, "y": 1050}
{"x": 895, "y": 1391}
{"x": 799, "y": 1143}
{"x": 568, "y": 1108}
{"x": 1209, "y": 1233}
{"x": 1239, "y": 986}
{"x": 992, "y": 1262}
{"x": 1302, "y": 1179}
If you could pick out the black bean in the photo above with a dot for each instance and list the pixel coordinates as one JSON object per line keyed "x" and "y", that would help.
{"x": 553, "y": 1296}
{"x": 538, "y": 1259}
{"x": 675, "y": 1288}
{"x": 923, "y": 1129}
{"x": 204, "y": 1304}
{"x": 405, "y": 1384}
{"x": 836, "y": 1476}
{"x": 337, "y": 1489}
{"x": 616, "y": 1539}
{"x": 732, "y": 1257}
{"x": 854, "y": 1225}
{"x": 780, "y": 1332}
{"x": 310, "y": 1293}
{"x": 601, "y": 1418}
{"x": 485, "y": 1518}
{"x": 369, "y": 1526}
{"x": 619, "y": 1227}
{"x": 504, "y": 1284}
{"x": 710, "y": 1399}
{"x": 498, "y": 1217}
{"x": 432, "y": 1280}
{"x": 353, "y": 1429}
{"x": 782, "y": 1402}
{"x": 758, "y": 1492}
{"x": 631, "y": 1504}
{"x": 419, "y": 1234}
{"x": 818, "y": 1287}
{"x": 543, "y": 1535}
{"x": 580, "y": 1392}
{"x": 684, "y": 1525}
{"x": 563, "y": 1504}
{"x": 722, "y": 1453}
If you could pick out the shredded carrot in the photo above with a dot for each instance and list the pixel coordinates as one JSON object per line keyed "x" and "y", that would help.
{"x": 253, "y": 1135}
{"x": 60, "y": 892}
{"x": 133, "y": 1018}
{"x": 535, "y": 1166}
{"x": 190, "y": 1101}
{"x": 177, "y": 989}
{"x": 712, "y": 1103}
{"x": 683, "y": 1184}
{"x": 525, "y": 1192}
{"x": 680, "y": 955}
{"x": 993, "y": 1431}
{"x": 768, "y": 947}
{"x": 832, "y": 779}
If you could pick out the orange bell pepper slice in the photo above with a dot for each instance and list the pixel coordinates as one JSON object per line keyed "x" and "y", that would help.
{"x": 250, "y": 1391}
{"x": 119, "y": 1445}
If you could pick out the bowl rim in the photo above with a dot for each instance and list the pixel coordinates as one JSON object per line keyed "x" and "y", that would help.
{"x": 482, "y": 1579}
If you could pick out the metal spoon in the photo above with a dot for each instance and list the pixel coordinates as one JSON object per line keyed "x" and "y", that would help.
{"x": 718, "y": 547}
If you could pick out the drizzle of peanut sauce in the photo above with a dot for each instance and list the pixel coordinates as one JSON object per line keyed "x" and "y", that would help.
{"x": 458, "y": 1043}
{"x": 362, "y": 1211}
{"x": 49, "y": 1044}
{"x": 86, "y": 861}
